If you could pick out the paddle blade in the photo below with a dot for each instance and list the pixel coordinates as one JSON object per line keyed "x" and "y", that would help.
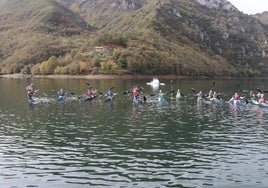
{"x": 213, "y": 84}
{"x": 193, "y": 89}
{"x": 238, "y": 86}
{"x": 259, "y": 90}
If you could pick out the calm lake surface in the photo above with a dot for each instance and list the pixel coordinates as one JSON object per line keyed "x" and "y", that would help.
{"x": 98, "y": 144}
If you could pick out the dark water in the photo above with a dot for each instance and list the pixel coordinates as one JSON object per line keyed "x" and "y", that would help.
{"x": 115, "y": 144}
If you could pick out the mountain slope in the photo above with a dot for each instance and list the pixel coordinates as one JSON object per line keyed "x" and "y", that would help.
{"x": 211, "y": 28}
{"x": 33, "y": 30}
{"x": 182, "y": 37}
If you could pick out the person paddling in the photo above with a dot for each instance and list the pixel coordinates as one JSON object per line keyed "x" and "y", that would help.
{"x": 89, "y": 95}
{"x": 252, "y": 95}
{"x": 210, "y": 94}
{"x": 262, "y": 98}
{"x": 160, "y": 96}
{"x": 236, "y": 97}
{"x": 136, "y": 93}
{"x": 178, "y": 95}
{"x": 200, "y": 96}
{"x": 109, "y": 95}
{"x": 61, "y": 94}
{"x": 30, "y": 92}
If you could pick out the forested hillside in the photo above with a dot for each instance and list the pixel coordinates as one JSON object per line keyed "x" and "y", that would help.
{"x": 181, "y": 37}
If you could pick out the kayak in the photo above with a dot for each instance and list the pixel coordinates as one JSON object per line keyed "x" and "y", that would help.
{"x": 238, "y": 102}
{"x": 61, "y": 98}
{"x": 162, "y": 101}
{"x": 213, "y": 101}
{"x": 89, "y": 98}
{"x": 136, "y": 102}
{"x": 31, "y": 101}
{"x": 108, "y": 99}
{"x": 262, "y": 105}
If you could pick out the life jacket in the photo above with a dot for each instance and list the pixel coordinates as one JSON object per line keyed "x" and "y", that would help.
{"x": 236, "y": 97}
{"x": 261, "y": 100}
{"x": 89, "y": 94}
{"x": 136, "y": 92}
{"x": 30, "y": 91}
{"x": 109, "y": 93}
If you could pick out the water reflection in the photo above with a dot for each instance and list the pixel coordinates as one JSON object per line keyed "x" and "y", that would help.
{"x": 98, "y": 144}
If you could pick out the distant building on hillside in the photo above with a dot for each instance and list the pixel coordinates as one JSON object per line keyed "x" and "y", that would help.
{"x": 101, "y": 49}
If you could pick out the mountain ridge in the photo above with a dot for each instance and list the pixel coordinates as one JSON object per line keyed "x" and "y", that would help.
{"x": 192, "y": 38}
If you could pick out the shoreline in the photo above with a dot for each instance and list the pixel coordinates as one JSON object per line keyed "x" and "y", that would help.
{"x": 117, "y": 76}
{"x": 95, "y": 76}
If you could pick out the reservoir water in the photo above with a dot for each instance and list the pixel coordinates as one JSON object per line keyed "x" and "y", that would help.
{"x": 115, "y": 144}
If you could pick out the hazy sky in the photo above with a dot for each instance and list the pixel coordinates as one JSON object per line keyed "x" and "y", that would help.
{"x": 250, "y": 6}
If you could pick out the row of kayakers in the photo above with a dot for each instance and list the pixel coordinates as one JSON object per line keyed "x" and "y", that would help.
{"x": 136, "y": 92}
{"x": 259, "y": 98}
{"x": 89, "y": 95}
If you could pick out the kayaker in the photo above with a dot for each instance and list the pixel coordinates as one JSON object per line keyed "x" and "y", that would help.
{"x": 235, "y": 97}
{"x": 259, "y": 95}
{"x": 178, "y": 95}
{"x": 210, "y": 94}
{"x": 160, "y": 96}
{"x": 262, "y": 98}
{"x": 110, "y": 95}
{"x": 88, "y": 95}
{"x": 200, "y": 95}
{"x": 136, "y": 93}
{"x": 30, "y": 92}
{"x": 215, "y": 95}
{"x": 61, "y": 94}
{"x": 252, "y": 95}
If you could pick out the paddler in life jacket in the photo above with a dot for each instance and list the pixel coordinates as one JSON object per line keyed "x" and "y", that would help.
{"x": 110, "y": 95}
{"x": 262, "y": 99}
{"x": 200, "y": 96}
{"x": 89, "y": 95}
{"x": 30, "y": 92}
{"x": 61, "y": 94}
{"x": 178, "y": 95}
{"x": 215, "y": 95}
{"x": 210, "y": 94}
{"x": 136, "y": 93}
{"x": 160, "y": 96}
{"x": 235, "y": 97}
{"x": 252, "y": 95}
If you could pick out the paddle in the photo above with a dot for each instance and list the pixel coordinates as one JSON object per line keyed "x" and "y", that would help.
{"x": 261, "y": 91}
{"x": 193, "y": 90}
{"x": 171, "y": 88}
{"x": 44, "y": 93}
{"x": 126, "y": 92}
{"x": 238, "y": 85}
{"x": 213, "y": 84}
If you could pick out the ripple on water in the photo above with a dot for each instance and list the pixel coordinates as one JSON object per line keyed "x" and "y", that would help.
{"x": 181, "y": 146}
